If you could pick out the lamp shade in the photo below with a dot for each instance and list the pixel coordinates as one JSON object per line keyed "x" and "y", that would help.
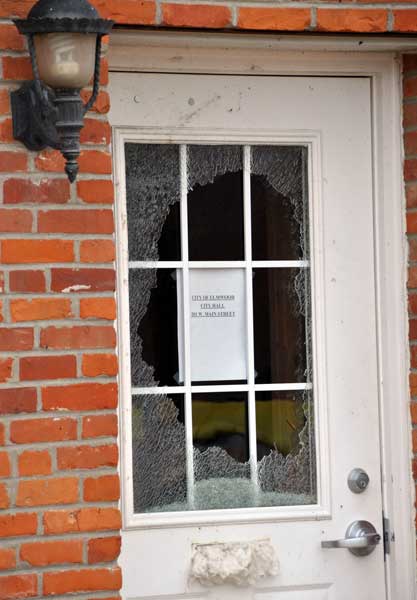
{"x": 65, "y": 60}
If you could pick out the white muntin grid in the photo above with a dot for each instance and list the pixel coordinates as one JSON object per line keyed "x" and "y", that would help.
{"x": 186, "y": 265}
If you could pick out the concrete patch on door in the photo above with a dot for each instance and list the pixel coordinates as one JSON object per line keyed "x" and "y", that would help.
{"x": 235, "y": 563}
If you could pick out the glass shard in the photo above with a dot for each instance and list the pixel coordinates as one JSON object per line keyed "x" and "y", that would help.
{"x": 215, "y": 203}
{"x": 282, "y": 322}
{"x": 279, "y": 203}
{"x": 159, "y": 453}
{"x": 154, "y": 336}
{"x": 152, "y": 198}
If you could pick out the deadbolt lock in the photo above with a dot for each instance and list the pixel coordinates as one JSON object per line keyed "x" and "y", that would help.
{"x": 358, "y": 481}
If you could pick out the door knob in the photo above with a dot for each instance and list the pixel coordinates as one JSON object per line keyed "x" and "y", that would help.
{"x": 361, "y": 539}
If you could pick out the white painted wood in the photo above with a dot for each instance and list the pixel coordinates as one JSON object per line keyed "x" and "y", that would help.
{"x": 390, "y": 290}
{"x": 132, "y": 50}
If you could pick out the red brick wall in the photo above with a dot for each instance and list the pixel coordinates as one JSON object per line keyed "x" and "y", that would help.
{"x": 59, "y": 487}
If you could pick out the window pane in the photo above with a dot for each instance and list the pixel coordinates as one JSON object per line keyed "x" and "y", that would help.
{"x": 154, "y": 337}
{"x": 221, "y": 451}
{"x": 279, "y": 203}
{"x": 159, "y": 453}
{"x": 286, "y": 455}
{"x": 282, "y": 323}
{"x": 215, "y": 203}
{"x": 152, "y": 198}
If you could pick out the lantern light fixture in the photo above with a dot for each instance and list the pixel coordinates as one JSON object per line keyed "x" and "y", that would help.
{"x": 64, "y": 40}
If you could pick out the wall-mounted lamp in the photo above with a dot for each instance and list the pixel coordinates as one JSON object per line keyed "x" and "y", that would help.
{"x": 64, "y": 39}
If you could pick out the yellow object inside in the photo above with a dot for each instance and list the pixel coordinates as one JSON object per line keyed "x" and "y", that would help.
{"x": 278, "y": 421}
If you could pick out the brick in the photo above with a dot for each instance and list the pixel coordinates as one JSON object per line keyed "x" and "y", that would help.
{"x": 410, "y": 87}
{"x": 42, "y": 554}
{"x": 102, "y": 103}
{"x": 94, "y": 365}
{"x": 102, "y": 489}
{"x": 12, "y": 220}
{"x": 18, "y": 524}
{"x": 99, "y": 426}
{"x": 47, "y": 367}
{"x": 97, "y": 251}
{"x": 410, "y": 142}
{"x": 96, "y": 191}
{"x": 25, "y": 281}
{"x": 411, "y": 195}
{"x": 87, "y": 457}
{"x": 17, "y": 338}
{"x": 10, "y": 38}
{"x": 85, "y": 580}
{"x": 40, "y": 309}
{"x": 83, "y": 280}
{"x": 4, "y": 498}
{"x": 5, "y": 468}
{"x": 11, "y": 8}
{"x": 7, "y": 558}
{"x": 26, "y": 431}
{"x": 4, "y": 101}
{"x": 18, "y": 586}
{"x": 25, "y": 191}
{"x": 1, "y": 282}
{"x": 51, "y": 161}
{"x": 413, "y": 384}
{"x": 36, "y": 251}
{"x": 6, "y": 130}
{"x": 414, "y": 440}
{"x": 409, "y": 62}
{"x": 413, "y": 412}
{"x": 65, "y": 338}
{"x": 196, "y": 15}
{"x": 104, "y": 549}
{"x": 405, "y": 20}
{"x": 410, "y": 169}
{"x": 412, "y": 325}
{"x": 34, "y": 462}
{"x": 412, "y": 304}
{"x": 95, "y": 131}
{"x": 410, "y": 115}
{"x": 80, "y": 520}
{"x": 412, "y": 222}
{"x": 13, "y": 162}
{"x": 133, "y": 12}
{"x": 17, "y": 68}
{"x": 95, "y": 161}
{"x": 1, "y": 311}
{"x": 76, "y": 221}
{"x": 98, "y": 308}
{"x": 39, "y": 492}
{"x": 83, "y": 396}
{"x": 6, "y": 366}
{"x": 351, "y": 20}
{"x": 17, "y": 400}
{"x": 2, "y": 434}
{"x": 278, "y": 19}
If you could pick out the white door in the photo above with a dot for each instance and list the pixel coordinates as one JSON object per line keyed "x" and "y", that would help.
{"x": 249, "y": 370}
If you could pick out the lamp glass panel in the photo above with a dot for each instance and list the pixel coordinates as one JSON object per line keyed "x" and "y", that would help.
{"x": 66, "y": 60}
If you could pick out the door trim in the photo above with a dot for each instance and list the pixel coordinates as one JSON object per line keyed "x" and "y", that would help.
{"x": 246, "y": 54}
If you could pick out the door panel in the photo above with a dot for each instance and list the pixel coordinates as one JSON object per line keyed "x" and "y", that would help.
{"x": 330, "y": 118}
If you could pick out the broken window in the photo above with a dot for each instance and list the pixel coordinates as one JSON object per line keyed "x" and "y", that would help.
{"x": 220, "y": 327}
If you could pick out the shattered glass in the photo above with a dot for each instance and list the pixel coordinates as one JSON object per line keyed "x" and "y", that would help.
{"x": 215, "y": 203}
{"x": 159, "y": 452}
{"x": 153, "y": 327}
{"x": 286, "y": 472}
{"x": 152, "y": 197}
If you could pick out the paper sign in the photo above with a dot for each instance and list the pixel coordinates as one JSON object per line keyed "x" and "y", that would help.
{"x": 217, "y": 325}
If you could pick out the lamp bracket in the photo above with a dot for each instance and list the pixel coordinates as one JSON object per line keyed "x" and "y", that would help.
{"x": 34, "y": 116}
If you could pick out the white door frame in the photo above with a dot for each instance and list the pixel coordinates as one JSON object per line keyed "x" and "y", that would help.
{"x": 378, "y": 59}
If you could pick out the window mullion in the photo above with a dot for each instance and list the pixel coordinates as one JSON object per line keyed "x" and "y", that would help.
{"x": 187, "y": 326}
{"x": 249, "y": 314}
